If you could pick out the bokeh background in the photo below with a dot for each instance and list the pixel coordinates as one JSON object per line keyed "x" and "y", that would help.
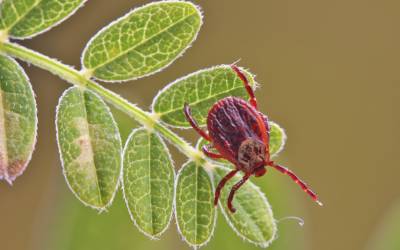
{"x": 329, "y": 72}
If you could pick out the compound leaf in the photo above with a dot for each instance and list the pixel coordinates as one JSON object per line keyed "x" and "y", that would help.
{"x": 90, "y": 147}
{"x": 194, "y": 208}
{"x": 142, "y": 42}
{"x": 27, "y": 18}
{"x": 18, "y": 120}
{"x": 253, "y": 219}
{"x": 148, "y": 182}
{"x": 200, "y": 90}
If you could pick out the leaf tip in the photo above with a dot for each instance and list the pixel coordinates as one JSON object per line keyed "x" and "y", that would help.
{"x": 10, "y": 181}
{"x": 101, "y": 210}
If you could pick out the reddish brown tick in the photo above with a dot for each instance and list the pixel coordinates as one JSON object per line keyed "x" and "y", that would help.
{"x": 240, "y": 134}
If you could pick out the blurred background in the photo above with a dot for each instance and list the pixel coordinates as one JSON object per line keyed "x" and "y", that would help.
{"x": 329, "y": 74}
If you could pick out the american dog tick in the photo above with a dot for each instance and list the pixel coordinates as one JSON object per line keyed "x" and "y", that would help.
{"x": 240, "y": 133}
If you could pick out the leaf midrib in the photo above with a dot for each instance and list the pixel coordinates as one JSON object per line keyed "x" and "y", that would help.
{"x": 87, "y": 128}
{"x": 141, "y": 43}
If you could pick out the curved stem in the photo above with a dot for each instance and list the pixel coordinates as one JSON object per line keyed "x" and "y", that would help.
{"x": 75, "y": 77}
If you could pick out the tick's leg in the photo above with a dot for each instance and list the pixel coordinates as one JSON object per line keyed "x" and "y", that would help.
{"x": 298, "y": 181}
{"x": 222, "y": 183}
{"x": 253, "y": 100}
{"x": 193, "y": 123}
{"x": 210, "y": 154}
{"x": 234, "y": 189}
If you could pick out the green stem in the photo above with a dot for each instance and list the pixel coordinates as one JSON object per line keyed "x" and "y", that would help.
{"x": 75, "y": 77}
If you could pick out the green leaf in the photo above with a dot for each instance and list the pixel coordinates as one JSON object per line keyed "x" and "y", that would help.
{"x": 148, "y": 182}
{"x": 277, "y": 139}
{"x": 90, "y": 147}
{"x": 28, "y": 18}
{"x": 194, "y": 208}
{"x": 18, "y": 120}
{"x": 285, "y": 202}
{"x": 142, "y": 42}
{"x": 200, "y": 90}
{"x": 253, "y": 219}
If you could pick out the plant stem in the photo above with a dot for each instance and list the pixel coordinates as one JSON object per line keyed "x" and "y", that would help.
{"x": 75, "y": 77}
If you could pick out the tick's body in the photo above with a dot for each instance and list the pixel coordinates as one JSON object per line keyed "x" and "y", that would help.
{"x": 240, "y": 133}
{"x": 233, "y": 123}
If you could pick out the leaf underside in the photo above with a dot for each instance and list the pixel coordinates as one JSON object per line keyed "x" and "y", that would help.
{"x": 18, "y": 120}
{"x": 27, "y": 18}
{"x": 253, "y": 219}
{"x": 142, "y": 42}
{"x": 201, "y": 90}
{"x": 148, "y": 182}
{"x": 194, "y": 208}
{"x": 90, "y": 147}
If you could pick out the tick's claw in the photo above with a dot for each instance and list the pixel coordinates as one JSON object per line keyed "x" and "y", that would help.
{"x": 231, "y": 208}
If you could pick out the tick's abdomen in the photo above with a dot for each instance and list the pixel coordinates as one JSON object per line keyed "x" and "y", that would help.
{"x": 230, "y": 122}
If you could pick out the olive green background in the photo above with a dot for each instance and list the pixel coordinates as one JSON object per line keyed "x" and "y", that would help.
{"x": 329, "y": 74}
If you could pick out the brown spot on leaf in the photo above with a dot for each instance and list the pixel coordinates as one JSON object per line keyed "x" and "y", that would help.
{"x": 2, "y": 167}
{"x": 12, "y": 171}
{"x": 81, "y": 141}
{"x": 16, "y": 168}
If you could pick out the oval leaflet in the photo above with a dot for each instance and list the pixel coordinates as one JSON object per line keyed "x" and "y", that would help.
{"x": 18, "y": 120}
{"x": 148, "y": 182}
{"x": 194, "y": 208}
{"x": 90, "y": 147}
{"x": 200, "y": 90}
{"x": 143, "y": 41}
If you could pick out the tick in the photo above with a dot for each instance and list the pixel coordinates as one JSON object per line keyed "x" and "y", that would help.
{"x": 240, "y": 134}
